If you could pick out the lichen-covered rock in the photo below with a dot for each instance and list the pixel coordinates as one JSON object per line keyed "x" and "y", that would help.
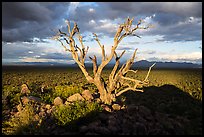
{"x": 25, "y": 89}
{"x": 75, "y": 97}
{"x": 58, "y": 101}
{"x": 116, "y": 107}
{"x": 87, "y": 95}
{"x": 48, "y": 106}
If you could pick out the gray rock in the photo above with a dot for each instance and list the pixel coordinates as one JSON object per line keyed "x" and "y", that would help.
{"x": 102, "y": 130}
{"x": 87, "y": 95}
{"x": 48, "y": 106}
{"x": 35, "y": 99}
{"x": 83, "y": 129}
{"x": 144, "y": 111}
{"x": 75, "y": 97}
{"x": 116, "y": 107}
{"x": 58, "y": 101}
{"x": 24, "y": 89}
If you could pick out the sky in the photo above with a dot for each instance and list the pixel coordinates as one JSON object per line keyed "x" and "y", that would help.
{"x": 27, "y": 29}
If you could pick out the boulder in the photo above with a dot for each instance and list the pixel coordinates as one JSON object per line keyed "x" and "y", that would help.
{"x": 106, "y": 108}
{"x": 144, "y": 111}
{"x": 48, "y": 106}
{"x": 25, "y": 100}
{"x": 75, "y": 97}
{"x": 24, "y": 89}
{"x": 87, "y": 95}
{"x": 116, "y": 107}
{"x": 35, "y": 99}
{"x": 67, "y": 103}
{"x": 49, "y": 111}
{"x": 58, "y": 101}
{"x": 102, "y": 130}
{"x": 42, "y": 114}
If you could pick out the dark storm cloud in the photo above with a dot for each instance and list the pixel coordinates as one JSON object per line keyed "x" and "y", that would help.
{"x": 183, "y": 31}
{"x": 15, "y": 14}
{"x": 184, "y": 9}
{"x": 168, "y": 15}
{"x": 21, "y": 21}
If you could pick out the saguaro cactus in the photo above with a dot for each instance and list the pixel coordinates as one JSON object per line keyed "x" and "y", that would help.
{"x": 117, "y": 79}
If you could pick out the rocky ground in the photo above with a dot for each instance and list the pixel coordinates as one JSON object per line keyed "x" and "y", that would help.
{"x": 129, "y": 120}
{"x": 113, "y": 120}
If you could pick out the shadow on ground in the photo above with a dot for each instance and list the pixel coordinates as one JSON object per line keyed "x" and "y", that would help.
{"x": 167, "y": 99}
{"x": 171, "y": 101}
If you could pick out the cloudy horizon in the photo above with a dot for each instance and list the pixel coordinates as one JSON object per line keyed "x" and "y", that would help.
{"x": 27, "y": 28}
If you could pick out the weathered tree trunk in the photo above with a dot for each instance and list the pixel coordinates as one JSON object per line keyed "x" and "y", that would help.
{"x": 105, "y": 96}
{"x": 117, "y": 77}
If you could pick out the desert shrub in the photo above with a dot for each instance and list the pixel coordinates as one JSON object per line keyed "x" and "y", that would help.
{"x": 47, "y": 98}
{"x": 15, "y": 100}
{"x": 22, "y": 123}
{"x": 12, "y": 93}
{"x": 65, "y": 91}
{"x": 9, "y": 90}
{"x": 67, "y": 114}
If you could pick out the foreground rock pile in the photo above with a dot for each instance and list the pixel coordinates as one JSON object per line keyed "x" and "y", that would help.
{"x": 135, "y": 120}
{"x": 114, "y": 120}
{"x": 120, "y": 120}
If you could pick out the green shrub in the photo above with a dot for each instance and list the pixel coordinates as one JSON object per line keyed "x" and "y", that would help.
{"x": 66, "y": 114}
{"x": 65, "y": 91}
{"x": 23, "y": 123}
{"x": 12, "y": 93}
{"x": 47, "y": 98}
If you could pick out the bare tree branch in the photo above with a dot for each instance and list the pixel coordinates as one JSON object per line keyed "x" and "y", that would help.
{"x": 117, "y": 78}
{"x": 149, "y": 71}
{"x": 94, "y": 60}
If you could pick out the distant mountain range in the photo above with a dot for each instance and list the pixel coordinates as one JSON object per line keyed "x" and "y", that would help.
{"x": 138, "y": 64}
{"x": 147, "y": 64}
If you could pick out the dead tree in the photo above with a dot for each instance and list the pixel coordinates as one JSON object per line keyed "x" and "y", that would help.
{"x": 117, "y": 82}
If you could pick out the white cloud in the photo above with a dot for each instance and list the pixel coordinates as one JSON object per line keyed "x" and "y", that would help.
{"x": 194, "y": 57}
{"x": 28, "y": 59}
{"x": 185, "y": 56}
{"x": 107, "y": 25}
{"x": 91, "y": 10}
{"x": 91, "y": 22}
{"x": 36, "y": 60}
{"x": 30, "y": 52}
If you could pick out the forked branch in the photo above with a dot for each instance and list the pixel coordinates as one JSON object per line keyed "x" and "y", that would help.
{"x": 117, "y": 78}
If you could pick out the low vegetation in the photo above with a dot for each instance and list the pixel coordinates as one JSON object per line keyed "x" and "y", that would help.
{"x": 176, "y": 94}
